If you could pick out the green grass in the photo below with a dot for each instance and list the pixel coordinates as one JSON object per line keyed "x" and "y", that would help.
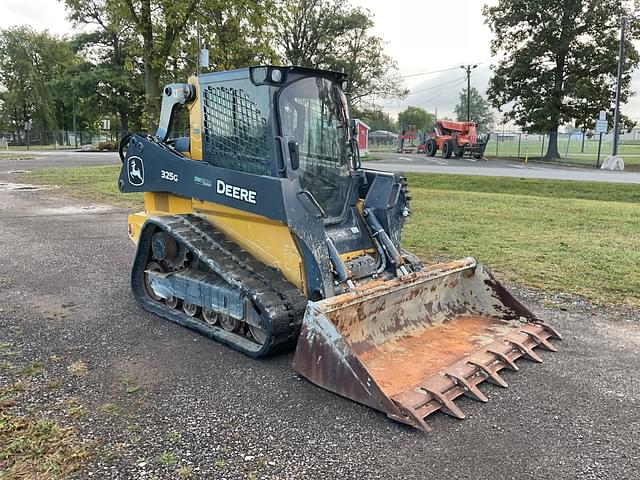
{"x": 561, "y": 236}
{"x": 533, "y": 148}
{"x": 575, "y": 237}
{"x": 93, "y": 183}
{"x": 33, "y": 446}
{"x": 167, "y": 458}
{"x": 129, "y": 385}
{"x": 33, "y": 369}
{"x": 15, "y": 156}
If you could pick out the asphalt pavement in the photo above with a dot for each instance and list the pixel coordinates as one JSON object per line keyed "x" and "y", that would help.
{"x": 157, "y": 396}
{"x": 419, "y": 163}
{"x": 392, "y": 162}
{"x": 58, "y": 158}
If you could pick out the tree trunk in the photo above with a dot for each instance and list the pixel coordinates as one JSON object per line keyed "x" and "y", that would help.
{"x": 152, "y": 96}
{"x": 124, "y": 120}
{"x": 584, "y": 134}
{"x": 552, "y": 147}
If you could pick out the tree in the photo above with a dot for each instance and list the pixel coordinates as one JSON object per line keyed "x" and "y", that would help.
{"x": 375, "y": 118}
{"x": 557, "y": 61}
{"x": 160, "y": 25}
{"x": 112, "y": 81}
{"x": 237, "y": 33}
{"x": 333, "y": 35}
{"x": 30, "y": 64}
{"x": 480, "y": 110}
{"x": 147, "y": 42}
{"x": 419, "y": 117}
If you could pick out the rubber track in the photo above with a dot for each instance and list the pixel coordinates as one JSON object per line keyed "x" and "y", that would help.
{"x": 276, "y": 298}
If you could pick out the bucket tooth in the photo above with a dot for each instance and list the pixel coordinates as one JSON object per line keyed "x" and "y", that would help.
{"x": 544, "y": 343}
{"x": 470, "y": 390}
{"x": 417, "y": 420}
{"x": 504, "y": 358}
{"x": 492, "y": 375}
{"x": 526, "y": 351}
{"x": 446, "y": 405}
{"x": 554, "y": 333}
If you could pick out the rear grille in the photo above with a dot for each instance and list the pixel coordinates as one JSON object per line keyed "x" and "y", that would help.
{"x": 235, "y": 131}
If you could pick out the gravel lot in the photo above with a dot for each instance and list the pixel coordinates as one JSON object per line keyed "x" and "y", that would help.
{"x": 156, "y": 397}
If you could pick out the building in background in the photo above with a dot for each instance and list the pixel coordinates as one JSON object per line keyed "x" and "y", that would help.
{"x": 363, "y": 137}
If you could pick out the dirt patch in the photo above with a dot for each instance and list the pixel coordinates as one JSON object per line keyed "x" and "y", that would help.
{"x": 53, "y": 308}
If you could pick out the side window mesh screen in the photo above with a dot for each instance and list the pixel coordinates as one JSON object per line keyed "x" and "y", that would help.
{"x": 235, "y": 132}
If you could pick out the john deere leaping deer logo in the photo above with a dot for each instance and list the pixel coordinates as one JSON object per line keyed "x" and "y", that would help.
{"x": 136, "y": 171}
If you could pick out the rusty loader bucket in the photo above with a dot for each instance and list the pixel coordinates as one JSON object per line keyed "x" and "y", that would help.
{"x": 410, "y": 346}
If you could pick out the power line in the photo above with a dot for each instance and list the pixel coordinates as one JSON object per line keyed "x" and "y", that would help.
{"x": 435, "y": 71}
{"x": 429, "y": 73}
{"x": 459, "y": 81}
{"x": 438, "y": 86}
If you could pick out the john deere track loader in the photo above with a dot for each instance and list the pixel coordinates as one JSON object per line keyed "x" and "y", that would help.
{"x": 262, "y": 230}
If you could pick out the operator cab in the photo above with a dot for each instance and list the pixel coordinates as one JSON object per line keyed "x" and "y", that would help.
{"x": 277, "y": 121}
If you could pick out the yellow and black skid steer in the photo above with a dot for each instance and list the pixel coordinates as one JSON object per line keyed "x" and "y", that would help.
{"x": 262, "y": 230}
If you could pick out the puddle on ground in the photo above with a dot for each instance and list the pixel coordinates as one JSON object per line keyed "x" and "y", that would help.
{"x": 17, "y": 187}
{"x": 75, "y": 210}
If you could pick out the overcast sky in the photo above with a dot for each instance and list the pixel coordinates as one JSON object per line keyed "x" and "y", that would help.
{"x": 423, "y": 36}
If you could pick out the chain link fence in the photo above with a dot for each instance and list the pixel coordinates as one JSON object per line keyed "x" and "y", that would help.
{"x": 58, "y": 139}
{"x": 574, "y": 148}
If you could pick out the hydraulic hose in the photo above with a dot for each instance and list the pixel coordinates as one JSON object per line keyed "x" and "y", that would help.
{"x": 123, "y": 144}
{"x": 338, "y": 265}
{"x": 379, "y": 233}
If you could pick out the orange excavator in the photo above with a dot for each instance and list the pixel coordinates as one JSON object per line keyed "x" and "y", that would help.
{"x": 456, "y": 138}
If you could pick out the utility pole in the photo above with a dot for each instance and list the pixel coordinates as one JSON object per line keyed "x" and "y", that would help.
{"x": 616, "y": 115}
{"x": 468, "y": 69}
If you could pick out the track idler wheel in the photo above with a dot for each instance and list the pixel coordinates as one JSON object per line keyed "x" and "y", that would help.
{"x": 229, "y": 323}
{"x": 172, "y": 302}
{"x": 153, "y": 266}
{"x": 258, "y": 334}
{"x": 190, "y": 309}
{"x": 210, "y": 316}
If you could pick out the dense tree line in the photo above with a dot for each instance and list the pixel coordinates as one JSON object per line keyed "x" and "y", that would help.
{"x": 555, "y": 59}
{"x": 128, "y": 49}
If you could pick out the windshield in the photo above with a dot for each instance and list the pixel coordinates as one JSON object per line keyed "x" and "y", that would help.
{"x": 313, "y": 114}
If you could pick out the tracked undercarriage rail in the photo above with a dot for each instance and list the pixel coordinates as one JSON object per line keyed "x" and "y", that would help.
{"x": 409, "y": 347}
{"x": 279, "y": 303}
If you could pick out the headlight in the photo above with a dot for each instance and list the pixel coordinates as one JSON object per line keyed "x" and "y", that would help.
{"x": 276, "y": 75}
